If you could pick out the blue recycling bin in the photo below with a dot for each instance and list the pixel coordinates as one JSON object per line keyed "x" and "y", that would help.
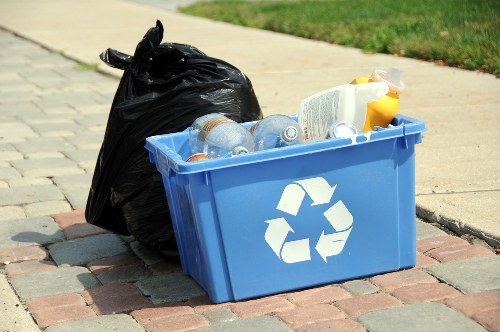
{"x": 295, "y": 217}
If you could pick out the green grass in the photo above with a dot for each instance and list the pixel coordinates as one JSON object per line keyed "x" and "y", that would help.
{"x": 87, "y": 66}
{"x": 458, "y": 33}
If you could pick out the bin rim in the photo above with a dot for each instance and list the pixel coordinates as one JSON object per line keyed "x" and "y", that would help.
{"x": 401, "y": 126}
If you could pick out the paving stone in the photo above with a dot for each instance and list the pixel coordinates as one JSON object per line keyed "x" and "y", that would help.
{"x": 148, "y": 256}
{"x": 471, "y": 304}
{"x": 177, "y": 323}
{"x": 79, "y": 156}
{"x": 301, "y": 316}
{"x": 31, "y": 231}
{"x": 391, "y": 281}
{"x": 4, "y": 184}
{"x": 220, "y": 315}
{"x": 175, "y": 287}
{"x": 75, "y": 187}
{"x": 360, "y": 287}
{"x": 16, "y": 269}
{"x": 8, "y": 152}
{"x": 424, "y": 261}
{"x": 44, "y": 144}
{"x": 43, "y": 155}
{"x": 130, "y": 273}
{"x": 20, "y": 254}
{"x": 70, "y": 218}
{"x": 29, "y": 181}
{"x": 84, "y": 250}
{"x": 471, "y": 275}
{"x": 431, "y": 243}
{"x": 8, "y": 173}
{"x": 13, "y": 132}
{"x": 31, "y": 194}
{"x": 166, "y": 267}
{"x": 362, "y": 304}
{"x": 11, "y": 213}
{"x": 452, "y": 253}
{"x": 62, "y": 280}
{"x": 55, "y": 129}
{"x": 252, "y": 324}
{"x": 318, "y": 295}
{"x": 261, "y": 306}
{"x": 337, "y": 325}
{"x": 115, "y": 298}
{"x": 107, "y": 263}
{"x": 86, "y": 141}
{"x": 425, "y": 293}
{"x": 82, "y": 230}
{"x": 489, "y": 319}
{"x": 13, "y": 317}
{"x": 53, "y": 309}
{"x": 421, "y": 317}
{"x": 48, "y": 167}
{"x": 147, "y": 315}
{"x": 120, "y": 322}
{"x": 47, "y": 208}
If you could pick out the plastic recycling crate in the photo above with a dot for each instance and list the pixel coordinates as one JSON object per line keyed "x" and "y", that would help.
{"x": 294, "y": 217}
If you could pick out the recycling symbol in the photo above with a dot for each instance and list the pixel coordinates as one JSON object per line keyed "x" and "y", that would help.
{"x": 330, "y": 243}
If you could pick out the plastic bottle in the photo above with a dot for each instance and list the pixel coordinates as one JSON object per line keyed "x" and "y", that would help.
{"x": 347, "y": 102}
{"x": 225, "y": 139}
{"x": 382, "y": 112}
{"x": 196, "y": 130}
{"x": 276, "y": 131}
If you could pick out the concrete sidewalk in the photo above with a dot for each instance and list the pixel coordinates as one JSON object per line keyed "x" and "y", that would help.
{"x": 50, "y": 137}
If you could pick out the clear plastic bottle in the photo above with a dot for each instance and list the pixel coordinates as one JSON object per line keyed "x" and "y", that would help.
{"x": 275, "y": 131}
{"x": 196, "y": 131}
{"x": 226, "y": 139}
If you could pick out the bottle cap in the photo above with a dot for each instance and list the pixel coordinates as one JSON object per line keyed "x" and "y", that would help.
{"x": 392, "y": 77}
{"x": 342, "y": 129}
{"x": 239, "y": 150}
{"x": 198, "y": 157}
{"x": 289, "y": 134}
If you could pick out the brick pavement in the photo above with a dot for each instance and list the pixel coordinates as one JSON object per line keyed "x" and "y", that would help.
{"x": 60, "y": 274}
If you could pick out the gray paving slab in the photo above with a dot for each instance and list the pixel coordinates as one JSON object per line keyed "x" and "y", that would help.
{"x": 119, "y": 322}
{"x": 175, "y": 287}
{"x": 130, "y": 273}
{"x": 425, "y": 230}
{"x": 68, "y": 279}
{"x": 75, "y": 187}
{"x": 360, "y": 287}
{"x": 84, "y": 250}
{"x": 420, "y": 317}
{"x": 220, "y": 315}
{"x": 263, "y": 323}
{"x": 29, "y": 194}
{"x": 470, "y": 275}
{"x": 30, "y": 231}
{"x": 148, "y": 256}
{"x": 44, "y": 144}
{"x": 13, "y": 317}
{"x": 47, "y": 167}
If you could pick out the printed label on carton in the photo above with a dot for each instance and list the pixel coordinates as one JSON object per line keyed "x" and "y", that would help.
{"x": 318, "y": 113}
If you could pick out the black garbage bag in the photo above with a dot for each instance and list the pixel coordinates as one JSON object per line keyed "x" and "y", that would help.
{"x": 164, "y": 88}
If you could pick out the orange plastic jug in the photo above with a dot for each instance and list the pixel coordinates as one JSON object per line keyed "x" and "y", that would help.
{"x": 382, "y": 112}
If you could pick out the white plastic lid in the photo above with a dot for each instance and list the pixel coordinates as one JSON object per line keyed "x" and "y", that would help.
{"x": 239, "y": 150}
{"x": 392, "y": 77}
{"x": 289, "y": 134}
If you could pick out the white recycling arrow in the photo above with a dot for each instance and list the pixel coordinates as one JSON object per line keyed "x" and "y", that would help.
{"x": 318, "y": 189}
{"x": 276, "y": 234}
{"x": 332, "y": 244}
{"x": 296, "y": 251}
{"x": 341, "y": 220}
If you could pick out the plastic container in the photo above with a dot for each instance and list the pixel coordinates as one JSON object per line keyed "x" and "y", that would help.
{"x": 381, "y": 112}
{"x": 218, "y": 137}
{"x": 276, "y": 131}
{"x": 347, "y": 102}
{"x": 283, "y": 219}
